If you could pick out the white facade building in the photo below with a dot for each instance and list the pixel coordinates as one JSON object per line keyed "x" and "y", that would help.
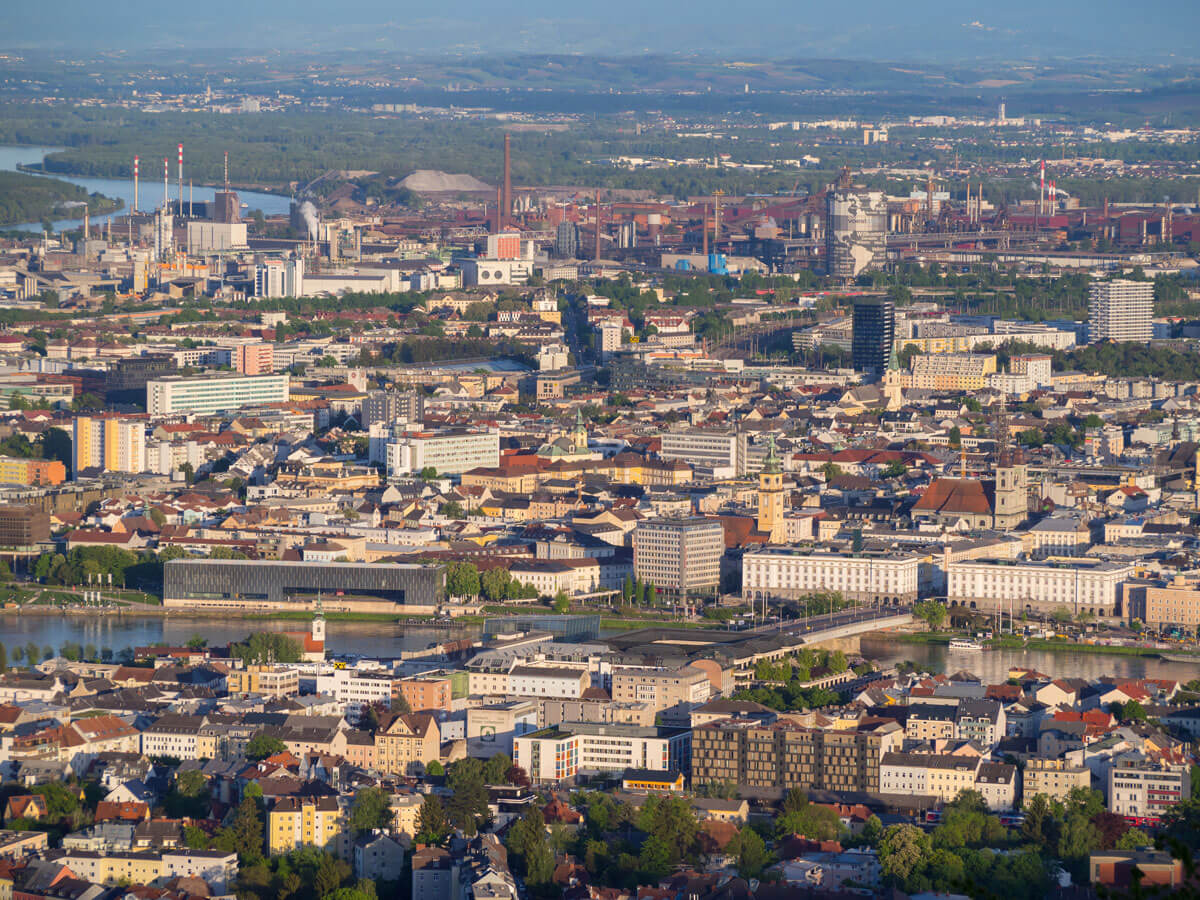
{"x": 450, "y": 452}
{"x": 213, "y": 393}
{"x": 788, "y": 572}
{"x": 560, "y": 753}
{"x": 1077, "y": 586}
{"x": 1144, "y": 790}
{"x": 1121, "y": 311}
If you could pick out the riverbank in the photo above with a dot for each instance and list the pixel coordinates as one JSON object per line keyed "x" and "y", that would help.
{"x": 40, "y": 169}
{"x": 943, "y": 638}
{"x": 33, "y": 198}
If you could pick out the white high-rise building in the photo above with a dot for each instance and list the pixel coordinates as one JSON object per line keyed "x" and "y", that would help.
{"x": 1121, "y": 311}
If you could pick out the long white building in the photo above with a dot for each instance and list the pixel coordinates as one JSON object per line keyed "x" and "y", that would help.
{"x": 450, "y": 452}
{"x": 1004, "y": 584}
{"x": 788, "y": 572}
{"x": 177, "y": 394}
{"x": 564, "y": 751}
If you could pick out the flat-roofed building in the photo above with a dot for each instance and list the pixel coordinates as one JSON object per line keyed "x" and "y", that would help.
{"x": 1055, "y": 778}
{"x": 660, "y": 687}
{"x": 213, "y": 393}
{"x": 561, "y": 753}
{"x": 1078, "y": 586}
{"x": 795, "y": 572}
{"x": 679, "y": 555}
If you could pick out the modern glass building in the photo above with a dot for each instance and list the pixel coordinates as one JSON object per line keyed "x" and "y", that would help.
{"x": 269, "y": 584}
{"x": 874, "y": 333}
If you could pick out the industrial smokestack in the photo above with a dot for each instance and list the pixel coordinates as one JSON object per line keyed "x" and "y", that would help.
{"x": 506, "y": 211}
{"x": 166, "y": 179}
{"x": 135, "y": 184}
{"x": 181, "y": 180}
{"x": 499, "y": 206}
{"x": 309, "y": 213}
{"x": 704, "y": 233}
{"x": 597, "y": 256}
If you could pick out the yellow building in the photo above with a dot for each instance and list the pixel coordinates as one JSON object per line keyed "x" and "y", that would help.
{"x": 14, "y": 470}
{"x": 274, "y": 681}
{"x": 305, "y": 822}
{"x": 407, "y": 744}
{"x": 1054, "y": 778}
{"x": 949, "y": 371}
{"x": 648, "y": 780}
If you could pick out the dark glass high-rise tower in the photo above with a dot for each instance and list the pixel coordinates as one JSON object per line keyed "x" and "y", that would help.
{"x": 874, "y": 333}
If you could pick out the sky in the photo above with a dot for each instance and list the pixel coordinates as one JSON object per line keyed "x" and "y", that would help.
{"x": 926, "y": 30}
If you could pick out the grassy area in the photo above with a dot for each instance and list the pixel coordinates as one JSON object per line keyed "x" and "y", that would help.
{"x": 927, "y": 637}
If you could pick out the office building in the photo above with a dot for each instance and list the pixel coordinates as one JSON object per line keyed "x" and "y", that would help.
{"x": 783, "y": 755}
{"x": 391, "y": 406}
{"x": 279, "y": 278}
{"x": 874, "y": 333}
{"x": 450, "y": 451}
{"x": 679, "y": 555}
{"x": 855, "y": 232}
{"x": 790, "y": 572}
{"x": 1142, "y": 791}
{"x": 23, "y": 526}
{"x": 564, "y": 751}
{"x": 126, "y": 379}
{"x": 566, "y": 240}
{"x": 178, "y": 395}
{"x": 108, "y": 444}
{"x": 1078, "y": 586}
{"x": 263, "y": 584}
{"x": 1121, "y": 311}
{"x": 254, "y": 359}
{"x": 719, "y": 451}
{"x": 660, "y": 687}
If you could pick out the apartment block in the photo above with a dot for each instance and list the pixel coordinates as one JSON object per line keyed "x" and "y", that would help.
{"x": 451, "y": 451}
{"x": 254, "y": 359}
{"x": 273, "y": 681}
{"x": 108, "y": 444}
{"x": 785, "y": 755}
{"x": 424, "y": 692}
{"x": 407, "y": 743}
{"x": 295, "y": 822}
{"x": 1121, "y": 311}
{"x": 941, "y": 775}
{"x": 15, "y": 470}
{"x": 1053, "y": 777}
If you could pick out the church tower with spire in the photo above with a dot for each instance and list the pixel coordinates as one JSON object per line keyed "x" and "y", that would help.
{"x": 1011, "y": 504}
{"x": 579, "y": 435}
{"x": 770, "y": 497}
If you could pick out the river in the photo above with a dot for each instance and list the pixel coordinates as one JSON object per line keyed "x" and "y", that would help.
{"x": 119, "y": 632}
{"x": 993, "y": 665}
{"x": 150, "y": 194}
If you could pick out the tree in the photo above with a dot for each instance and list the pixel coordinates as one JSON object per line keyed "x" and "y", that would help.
{"x": 495, "y": 584}
{"x": 516, "y": 776}
{"x": 188, "y": 470}
{"x": 429, "y": 473}
{"x": 266, "y": 646}
{"x": 244, "y": 835}
{"x": 527, "y": 844}
{"x": 3, "y": 659}
{"x": 902, "y": 851}
{"x": 469, "y": 804}
{"x": 189, "y": 796}
{"x": 495, "y": 768}
{"x": 955, "y": 437}
{"x": 432, "y": 824}
{"x": 330, "y": 875}
{"x": 462, "y": 580}
{"x": 263, "y": 745}
{"x": 562, "y": 602}
{"x": 750, "y": 851}
{"x": 799, "y": 816}
{"x": 196, "y": 642}
{"x": 932, "y": 613}
{"x": 435, "y": 768}
{"x": 370, "y": 809}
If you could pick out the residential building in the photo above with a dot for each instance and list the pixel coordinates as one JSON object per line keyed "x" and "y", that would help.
{"x": 957, "y": 372}
{"x": 547, "y": 681}
{"x": 213, "y": 393}
{"x": 721, "y": 451}
{"x": 1055, "y": 778}
{"x": 786, "y": 755}
{"x": 391, "y": 406}
{"x": 424, "y": 692}
{"x": 941, "y": 775}
{"x": 435, "y": 875}
{"x": 1164, "y": 605}
{"x": 357, "y": 689}
{"x": 679, "y": 556}
{"x": 1121, "y": 311}
{"x": 254, "y": 359}
{"x": 109, "y": 444}
{"x": 295, "y": 822}
{"x": 997, "y": 783}
{"x": 17, "y": 470}
{"x": 407, "y": 743}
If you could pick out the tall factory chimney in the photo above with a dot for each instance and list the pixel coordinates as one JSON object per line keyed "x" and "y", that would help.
{"x": 135, "y": 184}
{"x": 704, "y": 233}
{"x": 166, "y": 179}
{"x": 226, "y": 170}
{"x": 499, "y": 206}
{"x": 181, "y": 180}
{"x": 506, "y": 210}
{"x": 597, "y": 256}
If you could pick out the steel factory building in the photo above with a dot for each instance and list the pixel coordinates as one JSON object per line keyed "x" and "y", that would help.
{"x": 411, "y": 589}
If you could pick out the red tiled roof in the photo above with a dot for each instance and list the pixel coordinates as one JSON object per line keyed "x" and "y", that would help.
{"x": 955, "y": 496}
